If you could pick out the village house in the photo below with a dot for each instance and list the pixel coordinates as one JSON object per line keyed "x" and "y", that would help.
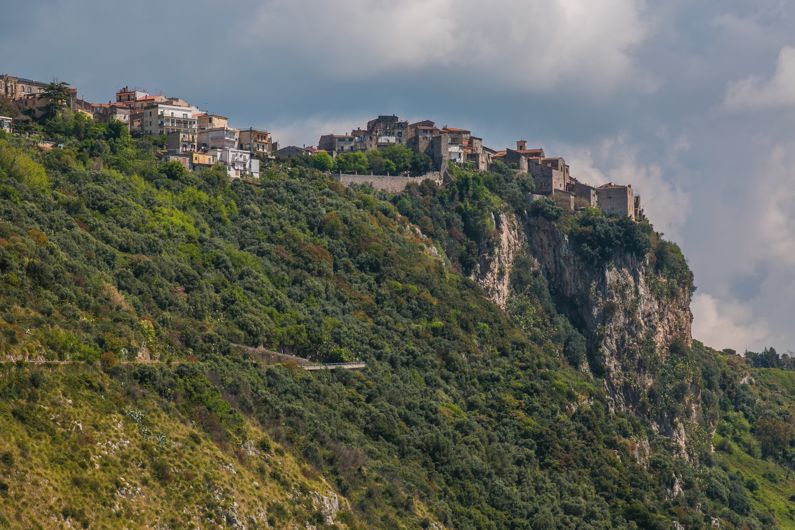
{"x": 291, "y": 151}
{"x": 457, "y": 141}
{"x": 238, "y": 163}
{"x": 218, "y": 138}
{"x": 182, "y": 158}
{"x": 136, "y": 101}
{"x": 180, "y": 143}
{"x": 127, "y": 95}
{"x": 335, "y": 144}
{"x": 6, "y": 123}
{"x": 387, "y": 130}
{"x": 18, "y": 88}
{"x": 585, "y": 196}
{"x": 202, "y": 160}
{"x": 420, "y": 134}
{"x": 257, "y": 142}
{"x": 206, "y": 121}
{"x": 163, "y": 118}
{"x": 108, "y": 112}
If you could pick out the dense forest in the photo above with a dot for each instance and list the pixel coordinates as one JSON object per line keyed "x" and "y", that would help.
{"x": 151, "y": 284}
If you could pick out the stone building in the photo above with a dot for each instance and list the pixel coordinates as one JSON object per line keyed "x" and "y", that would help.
{"x": 617, "y": 199}
{"x": 108, "y": 112}
{"x": 585, "y": 196}
{"x": 549, "y": 176}
{"x": 388, "y": 130}
{"x": 519, "y": 158}
{"x": 18, "y": 88}
{"x": 291, "y": 151}
{"x": 335, "y": 144}
{"x": 6, "y": 123}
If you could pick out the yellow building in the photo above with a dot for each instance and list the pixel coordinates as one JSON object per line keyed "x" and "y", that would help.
{"x": 202, "y": 160}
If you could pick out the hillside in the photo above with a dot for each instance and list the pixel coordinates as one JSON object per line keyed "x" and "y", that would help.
{"x": 488, "y": 400}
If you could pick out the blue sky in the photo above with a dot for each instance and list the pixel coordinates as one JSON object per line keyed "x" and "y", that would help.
{"x": 693, "y": 102}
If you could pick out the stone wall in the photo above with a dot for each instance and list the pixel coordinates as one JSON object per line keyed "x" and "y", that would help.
{"x": 391, "y": 184}
{"x": 617, "y": 200}
{"x": 546, "y": 178}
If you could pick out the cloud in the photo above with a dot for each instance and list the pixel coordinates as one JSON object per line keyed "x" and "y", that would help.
{"x": 725, "y": 323}
{"x": 757, "y": 93}
{"x": 529, "y": 44}
{"x": 298, "y": 132}
{"x": 775, "y": 196}
{"x": 616, "y": 160}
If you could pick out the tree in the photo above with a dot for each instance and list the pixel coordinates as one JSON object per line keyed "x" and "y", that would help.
{"x": 322, "y": 161}
{"x": 420, "y": 164}
{"x": 775, "y": 436}
{"x": 400, "y": 155}
{"x": 352, "y": 163}
{"x": 58, "y": 96}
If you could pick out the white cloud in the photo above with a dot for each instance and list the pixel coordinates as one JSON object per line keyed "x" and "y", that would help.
{"x": 528, "y": 44}
{"x": 725, "y": 323}
{"x": 615, "y": 160}
{"x": 774, "y": 195}
{"x": 299, "y": 132}
{"x": 754, "y": 92}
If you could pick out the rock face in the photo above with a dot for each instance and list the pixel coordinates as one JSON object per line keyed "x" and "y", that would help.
{"x": 493, "y": 272}
{"x": 629, "y": 328}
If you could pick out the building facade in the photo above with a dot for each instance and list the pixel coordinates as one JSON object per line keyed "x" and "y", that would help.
{"x": 238, "y": 163}
{"x": 617, "y": 199}
{"x": 218, "y": 138}
{"x": 18, "y": 88}
{"x": 257, "y": 142}
{"x": 162, "y": 119}
{"x": 178, "y": 142}
{"x": 211, "y": 121}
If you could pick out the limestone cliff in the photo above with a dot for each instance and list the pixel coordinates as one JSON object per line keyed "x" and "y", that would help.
{"x": 493, "y": 271}
{"x": 630, "y": 326}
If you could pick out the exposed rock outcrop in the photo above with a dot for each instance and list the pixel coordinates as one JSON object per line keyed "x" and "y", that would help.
{"x": 493, "y": 272}
{"x": 630, "y": 329}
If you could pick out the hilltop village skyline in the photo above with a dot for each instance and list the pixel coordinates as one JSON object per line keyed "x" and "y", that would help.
{"x": 199, "y": 138}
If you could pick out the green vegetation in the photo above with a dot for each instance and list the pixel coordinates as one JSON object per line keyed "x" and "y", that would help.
{"x": 466, "y": 415}
{"x": 392, "y": 160}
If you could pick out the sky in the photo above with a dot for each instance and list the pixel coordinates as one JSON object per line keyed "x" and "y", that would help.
{"x": 692, "y": 102}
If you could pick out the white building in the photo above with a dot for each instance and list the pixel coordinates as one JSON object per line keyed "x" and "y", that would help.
{"x": 456, "y": 153}
{"x": 218, "y": 138}
{"x": 238, "y": 163}
{"x": 5, "y": 123}
{"x": 162, "y": 118}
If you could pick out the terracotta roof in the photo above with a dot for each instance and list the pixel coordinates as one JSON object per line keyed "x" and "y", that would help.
{"x": 455, "y": 129}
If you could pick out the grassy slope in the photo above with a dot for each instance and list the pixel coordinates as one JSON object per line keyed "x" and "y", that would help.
{"x": 79, "y": 447}
{"x": 775, "y": 390}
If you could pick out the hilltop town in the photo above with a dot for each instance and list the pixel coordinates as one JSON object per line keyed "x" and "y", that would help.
{"x": 196, "y": 138}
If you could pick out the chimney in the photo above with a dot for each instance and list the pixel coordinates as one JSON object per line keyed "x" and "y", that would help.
{"x": 521, "y": 145}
